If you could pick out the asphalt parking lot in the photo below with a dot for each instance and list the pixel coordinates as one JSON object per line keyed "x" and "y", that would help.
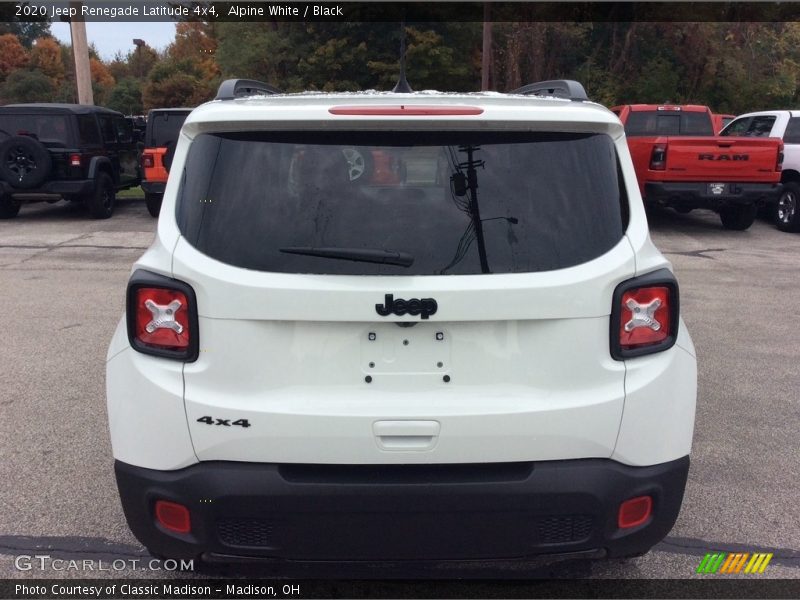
{"x": 62, "y": 282}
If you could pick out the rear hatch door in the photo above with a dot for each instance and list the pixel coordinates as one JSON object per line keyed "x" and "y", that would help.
{"x": 403, "y": 296}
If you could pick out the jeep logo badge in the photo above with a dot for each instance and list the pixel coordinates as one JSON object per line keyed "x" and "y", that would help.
{"x": 424, "y": 307}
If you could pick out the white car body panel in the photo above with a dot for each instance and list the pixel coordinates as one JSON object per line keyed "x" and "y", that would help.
{"x": 528, "y": 354}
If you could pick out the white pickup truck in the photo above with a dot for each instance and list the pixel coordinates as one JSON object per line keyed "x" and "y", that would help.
{"x": 783, "y": 124}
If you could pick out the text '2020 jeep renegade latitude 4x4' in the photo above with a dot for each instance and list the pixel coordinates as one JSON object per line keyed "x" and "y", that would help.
{"x": 401, "y": 326}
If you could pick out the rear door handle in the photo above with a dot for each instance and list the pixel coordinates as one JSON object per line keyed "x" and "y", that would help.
{"x": 409, "y": 436}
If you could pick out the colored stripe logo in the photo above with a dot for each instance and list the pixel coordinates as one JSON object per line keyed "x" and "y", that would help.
{"x": 734, "y": 562}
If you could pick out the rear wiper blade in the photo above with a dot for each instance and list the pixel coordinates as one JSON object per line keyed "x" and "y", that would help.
{"x": 370, "y": 255}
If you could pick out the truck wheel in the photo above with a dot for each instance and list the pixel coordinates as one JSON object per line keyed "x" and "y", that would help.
{"x": 101, "y": 201}
{"x": 8, "y": 207}
{"x": 787, "y": 212}
{"x": 738, "y": 217}
{"x": 24, "y": 162}
{"x": 153, "y": 202}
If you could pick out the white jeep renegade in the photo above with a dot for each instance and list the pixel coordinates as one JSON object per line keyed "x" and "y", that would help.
{"x": 389, "y": 326}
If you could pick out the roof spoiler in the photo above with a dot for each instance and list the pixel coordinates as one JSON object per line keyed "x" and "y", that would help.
{"x": 560, "y": 88}
{"x": 239, "y": 88}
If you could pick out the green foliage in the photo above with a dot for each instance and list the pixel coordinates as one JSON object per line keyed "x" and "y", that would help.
{"x": 349, "y": 56}
{"x": 126, "y": 97}
{"x": 176, "y": 83}
{"x": 27, "y": 85}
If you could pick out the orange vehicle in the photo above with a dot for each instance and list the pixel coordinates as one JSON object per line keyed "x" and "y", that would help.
{"x": 161, "y": 135}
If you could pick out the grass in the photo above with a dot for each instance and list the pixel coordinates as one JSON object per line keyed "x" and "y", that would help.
{"x": 135, "y": 192}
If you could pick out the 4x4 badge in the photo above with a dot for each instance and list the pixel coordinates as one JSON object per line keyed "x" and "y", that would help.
{"x": 424, "y": 307}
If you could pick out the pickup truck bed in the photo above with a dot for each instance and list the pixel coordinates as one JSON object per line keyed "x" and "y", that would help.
{"x": 688, "y": 167}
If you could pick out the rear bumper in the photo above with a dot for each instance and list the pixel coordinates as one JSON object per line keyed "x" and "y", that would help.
{"x": 699, "y": 195}
{"x": 63, "y": 187}
{"x": 402, "y": 512}
{"x": 153, "y": 187}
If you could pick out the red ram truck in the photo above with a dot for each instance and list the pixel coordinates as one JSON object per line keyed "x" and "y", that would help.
{"x": 680, "y": 163}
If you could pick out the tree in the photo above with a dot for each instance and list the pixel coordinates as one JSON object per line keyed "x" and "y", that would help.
{"x": 119, "y": 67}
{"x": 46, "y": 58}
{"x": 12, "y": 55}
{"x": 126, "y": 97}
{"x": 102, "y": 81}
{"x": 174, "y": 83}
{"x": 141, "y": 61}
{"x": 26, "y": 85}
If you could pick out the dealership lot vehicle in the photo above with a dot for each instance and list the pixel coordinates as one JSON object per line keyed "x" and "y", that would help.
{"x": 161, "y": 135}
{"x": 72, "y": 152}
{"x": 680, "y": 163}
{"x": 783, "y": 124}
{"x": 311, "y": 351}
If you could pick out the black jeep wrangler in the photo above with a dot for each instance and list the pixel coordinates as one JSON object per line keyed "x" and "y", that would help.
{"x": 65, "y": 151}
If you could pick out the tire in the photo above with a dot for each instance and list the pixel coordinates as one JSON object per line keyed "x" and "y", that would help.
{"x": 101, "y": 201}
{"x": 787, "y": 210}
{"x": 8, "y": 207}
{"x": 153, "y": 202}
{"x": 684, "y": 210}
{"x": 24, "y": 162}
{"x": 738, "y": 217}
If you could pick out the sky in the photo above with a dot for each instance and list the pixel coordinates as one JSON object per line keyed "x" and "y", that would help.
{"x": 109, "y": 38}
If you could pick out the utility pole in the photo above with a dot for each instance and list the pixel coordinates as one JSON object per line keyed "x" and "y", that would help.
{"x": 486, "y": 57}
{"x": 80, "y": 52}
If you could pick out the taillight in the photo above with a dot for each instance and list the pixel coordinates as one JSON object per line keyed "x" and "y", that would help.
{"x": 162, "y": 317}
{"x": 779, "y": 163}
{"x": 658, "y": 157}
{"x": 74, "y": 160}
{"x": 644, "y": 315}
{"x": 147, "y": 161}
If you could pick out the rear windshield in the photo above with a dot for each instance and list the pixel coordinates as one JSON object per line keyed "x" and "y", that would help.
{"x": 402, "y": 203}
{"x": 653, "y": 122}
{"x": 163, "y": 128}
{"x": 53, "y": 129}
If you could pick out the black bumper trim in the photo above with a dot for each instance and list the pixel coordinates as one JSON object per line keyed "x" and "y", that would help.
{"x": 66, "y": 186}
{"x": 697, "y": 195}
{"x": 253, "y": 511}
{"x": 153, "y": 187}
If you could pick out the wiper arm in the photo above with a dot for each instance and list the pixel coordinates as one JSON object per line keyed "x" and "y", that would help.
{"x": 370, "y": 255}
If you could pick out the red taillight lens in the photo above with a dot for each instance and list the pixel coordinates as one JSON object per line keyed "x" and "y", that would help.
{"x": 162, "y": 316}
{"x": 644, "y": 315}
{"x": 658, "y": 157}
{"x": 779, "y": 162}
{"x": 634, "y": 512}
{"x": 173, "y": 516}
{"x": 75, "y": 160}
{"x": 147, "y": 161}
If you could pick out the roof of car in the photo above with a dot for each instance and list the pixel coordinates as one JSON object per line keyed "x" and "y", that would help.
{"x": 168, "y": 110}
{"x": 666, "y": 107}
{"x": 762, "y": 113}
{"x": 308, "y": 108}
{"x": 80, "y": 109}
